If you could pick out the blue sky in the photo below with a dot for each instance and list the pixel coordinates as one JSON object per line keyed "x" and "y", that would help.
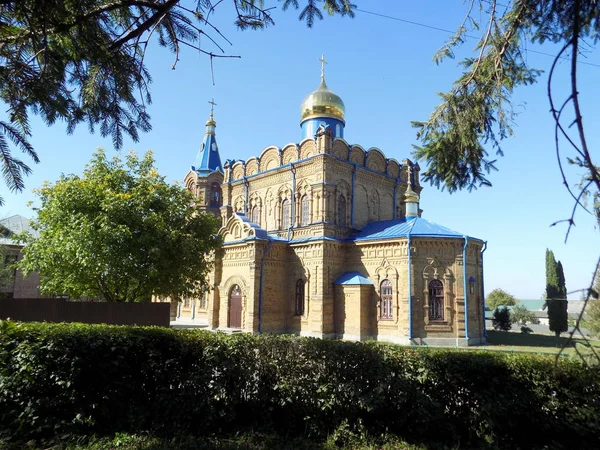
{"x": 383, "y": 70}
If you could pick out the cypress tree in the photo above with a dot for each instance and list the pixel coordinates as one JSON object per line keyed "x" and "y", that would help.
{"x": 552, "y": 290}
{"x": 562, "y": 286}
{"x": 556, "y": 295}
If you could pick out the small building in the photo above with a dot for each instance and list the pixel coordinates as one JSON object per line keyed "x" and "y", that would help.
{"x": 324, "y": 238}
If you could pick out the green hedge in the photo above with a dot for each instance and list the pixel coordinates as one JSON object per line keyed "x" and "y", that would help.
{"x": 71, "y": 379}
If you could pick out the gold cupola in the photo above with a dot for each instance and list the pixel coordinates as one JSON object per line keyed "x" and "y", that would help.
{"x": 322, "y": 103}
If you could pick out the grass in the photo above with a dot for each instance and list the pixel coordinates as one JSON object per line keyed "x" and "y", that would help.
{"x": 540, "y": 343}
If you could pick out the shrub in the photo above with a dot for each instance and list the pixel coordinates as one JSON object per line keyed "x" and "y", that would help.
{"x": 501, "y": 319}
{"x": 73, "y": 379}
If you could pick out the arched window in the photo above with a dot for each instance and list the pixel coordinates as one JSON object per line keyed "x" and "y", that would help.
{"x": 215, "y": 194}
{"x": 386, "y": 300}
{"x": 256, "y": 215}
{"x": 203, "y": 299}
{"x": 341, "y": 215}
{"x": 285, "y": 214}
{"x": 305, "y": 207}
{"x": 436, "y": 300}
{"x": 300, "y": 297}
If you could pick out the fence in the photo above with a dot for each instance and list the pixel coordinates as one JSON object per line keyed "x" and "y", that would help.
{"x": 61, "y": 310}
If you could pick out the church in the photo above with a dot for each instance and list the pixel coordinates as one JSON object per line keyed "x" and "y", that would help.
{"x": 324, "y": 238}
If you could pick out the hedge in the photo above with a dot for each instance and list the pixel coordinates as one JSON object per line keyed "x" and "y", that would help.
{"x": 74, "y": 379}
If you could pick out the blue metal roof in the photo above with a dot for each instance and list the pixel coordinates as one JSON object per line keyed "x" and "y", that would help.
{"x": 259, "y": 232}
{"x": 352, "y": 278}
{"x": 413, "y": 226}
{"x": 208, "y": 159}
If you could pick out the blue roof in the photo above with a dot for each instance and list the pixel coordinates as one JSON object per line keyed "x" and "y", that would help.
{"x": 259, "y": 232}
{"x": 413, "y": 226}
{"x": 352, "y": 278}
{"x": 208, "y": 159}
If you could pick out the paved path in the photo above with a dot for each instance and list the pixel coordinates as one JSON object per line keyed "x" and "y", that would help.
{"x": 189, "y": 324}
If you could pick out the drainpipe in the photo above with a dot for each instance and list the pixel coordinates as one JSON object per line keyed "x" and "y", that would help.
{"x": 246, "y": 203}
{"x": 260, "y": 286}
{"x": 395, "y": 215}
{"x": 409, "y": 293}
{"x": 293, "y": 205}
{"x": 483, "y": 291}
{"x": 352, "y": 202}
{"x": 465, "y": 289}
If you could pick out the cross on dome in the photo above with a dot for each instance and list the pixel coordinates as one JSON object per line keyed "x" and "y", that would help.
{"x": 212, "y": 107}
{"x": 323, "y": 62}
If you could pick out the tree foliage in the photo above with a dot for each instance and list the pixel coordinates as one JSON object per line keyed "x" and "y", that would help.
{"x": 592, "y": 318}
{"x": 556, "y": 295}
{"x": 120, "y": 232}
{"x": 83, "y": 61}
{"x": 7, "y": 271}
{"x": 477, "y": 113}
{"x": 501, "y": 319}
{"x": 499, "y": 297}
{"x": 552, "y": 279}
{"x": 520, "y": 314}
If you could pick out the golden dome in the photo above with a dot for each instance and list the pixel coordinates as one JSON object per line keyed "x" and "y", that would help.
{"x": 322, "y": 103}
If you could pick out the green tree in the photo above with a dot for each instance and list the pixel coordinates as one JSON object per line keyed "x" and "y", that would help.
{"x": 120, "y": 232}
{"x": 592, "y": 318}
{"x": 499, "y": 297}
{"x": 7, "y": 270}
{"x": 83, "y": 61}
{"x": 562, "y": 285}
{"x": 520, "y": 314}
{"x": 556, "y": 291}
{"x": 501, "y": 319}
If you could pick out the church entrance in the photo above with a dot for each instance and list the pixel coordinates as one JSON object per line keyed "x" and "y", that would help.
{"x": 235, "y": 307}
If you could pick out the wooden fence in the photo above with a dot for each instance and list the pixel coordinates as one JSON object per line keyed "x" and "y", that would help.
{"x": 61, "y": 310}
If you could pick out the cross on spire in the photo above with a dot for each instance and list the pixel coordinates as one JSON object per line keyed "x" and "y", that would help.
{"x": 212, "y": 107}
{"x": 323, "y": 62}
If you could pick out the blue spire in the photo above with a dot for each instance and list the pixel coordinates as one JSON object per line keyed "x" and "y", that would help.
{"x": 208, "y": 159}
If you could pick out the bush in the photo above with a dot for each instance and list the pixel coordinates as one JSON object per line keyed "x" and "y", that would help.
{"x": 73, "y": 379}
{"x": 501, "y": 319}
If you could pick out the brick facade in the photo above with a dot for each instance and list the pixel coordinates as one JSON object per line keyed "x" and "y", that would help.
{"x": 288, "y": 220}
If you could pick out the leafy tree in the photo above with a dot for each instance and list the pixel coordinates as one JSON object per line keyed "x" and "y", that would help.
{"x": 499, "y": 297}
{"x": 591, "y": 319}
{"x": 7, "y": 272}
{"x": 520, "y": 314}
{"x": 120, "y": 232}
{"x": 556, "y": 291}
{"x": 501, "y": 319}
{"x": 83, "y": 61}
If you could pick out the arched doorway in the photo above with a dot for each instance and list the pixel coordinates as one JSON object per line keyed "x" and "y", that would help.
{"x": 235, "y": 307}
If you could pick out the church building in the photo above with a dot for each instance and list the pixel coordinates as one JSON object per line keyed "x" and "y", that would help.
{"x": 324, "y": 238}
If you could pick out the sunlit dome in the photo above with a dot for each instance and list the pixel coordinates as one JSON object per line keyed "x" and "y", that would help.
{"x": 322, "y": 103}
